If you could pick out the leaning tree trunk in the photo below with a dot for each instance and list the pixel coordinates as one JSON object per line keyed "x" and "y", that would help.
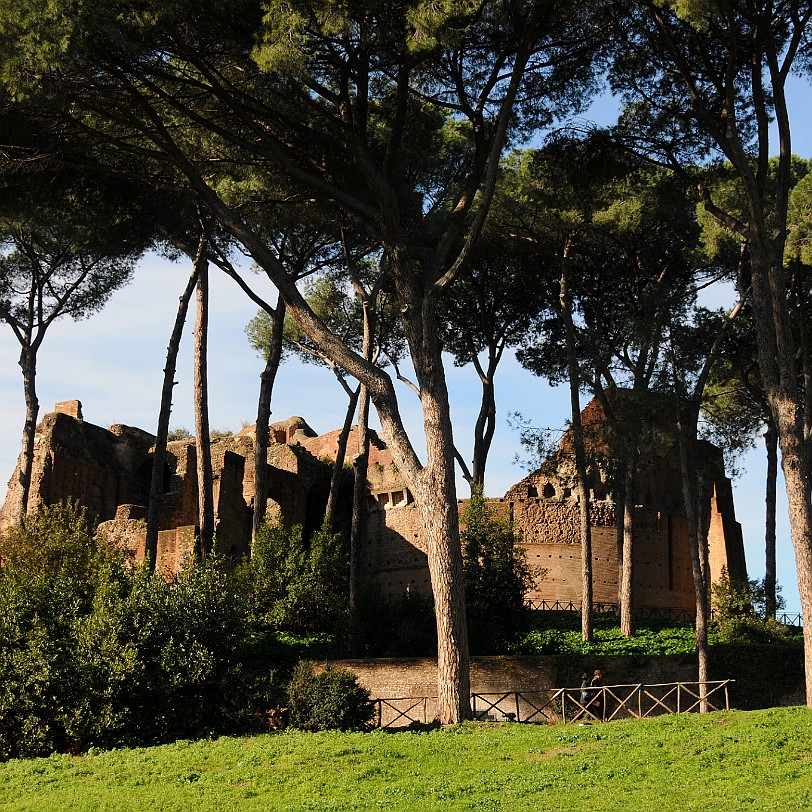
{"x": 770, "y": 596}
{"x": 577, "y": 430}
{"x": 433, "y": 483}
{"x": 28, "y": 364}
{"x": 261, "y": 438}
{"x": 156, "y": 488}
{"x": 205, "y": 484}
{"x": 627, "y": 560}
{"x": 341, "y": 455}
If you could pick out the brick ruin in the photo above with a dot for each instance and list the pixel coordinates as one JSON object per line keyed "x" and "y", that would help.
{"x": 108, "y": 471}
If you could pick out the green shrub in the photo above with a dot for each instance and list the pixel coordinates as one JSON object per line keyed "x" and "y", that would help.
{"x": 188, "y": 673}
{"x": 329, "y": 700}
{"x": 659, "y": 639}
{"x": 393, "y": 625}
{"x": 738, "y": 612}
{"x": 294, "y": 585}
{"x": 52, "y": 567}
{"x": 94, "y": 655}
{"x": 497, "y": 578}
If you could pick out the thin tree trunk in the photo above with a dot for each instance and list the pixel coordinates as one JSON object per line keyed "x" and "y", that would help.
{"x": 28, "y": 364}
{"x": 205, "y": 484}
{"x": 577, "y": 430}
{"x": 770, "y": 597}
{"x": 620, "y": 513}
{"x": 360, "y": 467}
{"x": 156, "y": 488}
{"x": 691, "y": 496}
{"x": 361, "y": 457}
{"x": 484, "y": 428}
{"x": 261, "y": 439}
{"x": 341, "y": 454}
{"x": 627, "y": 573}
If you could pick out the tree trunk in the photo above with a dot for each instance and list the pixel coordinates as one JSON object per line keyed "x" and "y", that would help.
{"x": 261, "y": 438}
{"x": 436, "y": 500}
{"x": 360, "y": 466}
{"x": 770, "y": 596}
{"x": 156, "y": 488}
{"x": 341, "y": 454}
{"x": 437, "y": 507}
{"x": 691, "y": 496}
{"x": 779, "y": 373}
{"x": 205, "y": 484}
{"x": 627, "y": 572}
{"x": 28, "y": 364}
{"x": 800, "y": 518}
{"x": 577, "y": 430}
{"x": 620, "y": 513}
{"x": 361, "y": 457}
{"x": 484, "y": 428}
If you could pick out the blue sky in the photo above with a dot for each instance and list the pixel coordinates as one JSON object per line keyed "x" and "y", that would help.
{"x": 113, "y": 363}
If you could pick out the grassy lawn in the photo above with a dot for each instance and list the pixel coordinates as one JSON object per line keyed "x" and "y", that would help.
{"x": 757, "y": 760}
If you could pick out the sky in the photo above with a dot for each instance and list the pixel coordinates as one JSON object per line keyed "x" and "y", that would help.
{"x": 113, "y": 363}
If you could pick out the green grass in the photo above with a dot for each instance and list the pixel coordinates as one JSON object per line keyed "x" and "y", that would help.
{"x": 760, "y": 760}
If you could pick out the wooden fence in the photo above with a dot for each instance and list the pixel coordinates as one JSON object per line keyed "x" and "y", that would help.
{"x": 603, "y": 704}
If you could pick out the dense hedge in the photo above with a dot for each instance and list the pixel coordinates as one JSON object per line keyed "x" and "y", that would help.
{"x": 97, "y": 653}
{"x": 94, "y": 654}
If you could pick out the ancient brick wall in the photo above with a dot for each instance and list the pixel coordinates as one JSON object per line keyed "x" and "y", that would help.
{"x": 233, "y": 516}
{"x": 176, "y": 548}
{"x": 389, "y": 554}
{"x": 778, "y": 680}
{"x": 80, "y": 461}
{"x": 107, "y": 469}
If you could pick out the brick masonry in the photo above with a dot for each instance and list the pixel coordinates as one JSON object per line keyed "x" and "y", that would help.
{"x": 764, "y": 676}
{"x": 108, "y": 470}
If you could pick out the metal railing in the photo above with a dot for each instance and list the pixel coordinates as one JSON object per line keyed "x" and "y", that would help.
{"x": 600, "y": 704}
{"x": 790, "y": 619}
{"x": 794, "y": 619}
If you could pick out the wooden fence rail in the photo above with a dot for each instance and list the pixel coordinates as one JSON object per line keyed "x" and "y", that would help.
{"x": 603, "y": 704}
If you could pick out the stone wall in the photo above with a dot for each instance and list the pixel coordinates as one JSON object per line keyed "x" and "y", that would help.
{"x": 765, "y": 676}
{"x": 544, "y": 511}
{"x": 107, "y": 469}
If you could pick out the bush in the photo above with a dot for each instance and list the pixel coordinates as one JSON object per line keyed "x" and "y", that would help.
{"x": 52, "y": 568}
{"x": 497, "y": 578}
{"x": 393, "y": 625}
{"x": 295, "y": 585}
{"x": 329, "y": 700}
{"x": 738, "y": 612}
{"x": 94, "y": 655}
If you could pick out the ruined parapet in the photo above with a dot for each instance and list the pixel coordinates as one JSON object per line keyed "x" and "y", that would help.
{"x": 127, "y": 531}
{"x": 72, "y": 408}
{"x": 88, "y": 464}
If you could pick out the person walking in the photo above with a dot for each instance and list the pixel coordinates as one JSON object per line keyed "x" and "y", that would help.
{"x": 597, "y": 706}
